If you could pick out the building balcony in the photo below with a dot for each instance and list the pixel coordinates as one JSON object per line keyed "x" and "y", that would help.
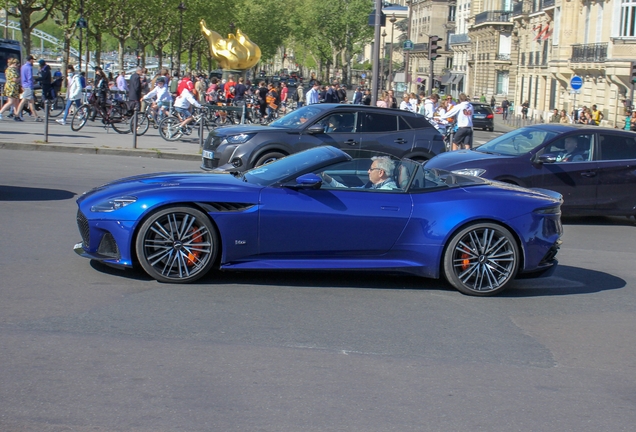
{"x": 457, "y": 39}
{"x": 493, "y": 17}
{"x": 589, "y": 53}
{"x": 520, "y": 8}
{"x": 547, "y": 4}
{"x": 503, "y": 57}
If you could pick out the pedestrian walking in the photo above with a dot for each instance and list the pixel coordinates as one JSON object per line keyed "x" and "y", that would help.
{"x": 505, "y": 106}
{"x": 27, "y": 82}
{"x": 134, "y": 89}
{"x": 73, "y": 92}
{"x": 12, "y": 88}
{"x": 313, "y": 95}
{"x": 464, "y": 111}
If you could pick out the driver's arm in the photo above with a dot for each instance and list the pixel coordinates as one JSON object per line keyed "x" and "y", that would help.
{"x": 329, "y": 181}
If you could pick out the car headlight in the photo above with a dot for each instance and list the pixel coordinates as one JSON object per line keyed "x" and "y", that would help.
{"x": 113, "y": 204}
{"x": 477, "y": 172}
{"x": 238, "y": 139}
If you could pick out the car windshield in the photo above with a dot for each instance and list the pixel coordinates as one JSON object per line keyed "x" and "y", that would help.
{"x": 517, "y": 142}
{"x": 289, "y": 166}
{"x": 298, "y": 117}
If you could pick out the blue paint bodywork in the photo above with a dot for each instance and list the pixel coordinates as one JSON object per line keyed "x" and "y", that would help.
{"x": 267, "y": 220}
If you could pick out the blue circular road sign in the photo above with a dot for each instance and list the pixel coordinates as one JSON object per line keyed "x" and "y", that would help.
{"x": 576, "y": 82}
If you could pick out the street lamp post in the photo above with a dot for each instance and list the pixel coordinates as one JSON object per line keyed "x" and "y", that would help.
{"x": 407, "y": 66}
{"x": 390, "y": 80}
{"x": 182, "y": 9}
{"x": 382, "y": 61}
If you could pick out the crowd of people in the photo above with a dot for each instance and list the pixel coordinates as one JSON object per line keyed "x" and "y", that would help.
{"x": 19, "y": 88}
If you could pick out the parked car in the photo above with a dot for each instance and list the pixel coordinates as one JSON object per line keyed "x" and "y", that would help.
{"x": 322, "y": 209}
{"x": 483, "y": 116}
{"x": 400, "y": 133}
{"x": 601, "y": 180}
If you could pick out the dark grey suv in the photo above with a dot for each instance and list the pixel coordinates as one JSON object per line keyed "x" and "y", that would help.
{"x": 400, "y": 133}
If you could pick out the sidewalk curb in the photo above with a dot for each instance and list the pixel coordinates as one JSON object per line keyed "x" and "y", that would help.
{"x": 99, "y": 150}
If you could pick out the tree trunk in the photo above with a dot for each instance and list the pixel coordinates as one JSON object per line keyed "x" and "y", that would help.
{"x": 122, "y": 66}
{"x": 159, "y": 56}
{"x": 25, "y": 25}
{"x": 98, "y": 49}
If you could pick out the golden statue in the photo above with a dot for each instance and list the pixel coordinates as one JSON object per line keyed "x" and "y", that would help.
{"x": 235, "y": 52}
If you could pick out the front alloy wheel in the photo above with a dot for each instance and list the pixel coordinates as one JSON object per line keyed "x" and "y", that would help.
{"x": 177, "y": 244}
{"x": 481, "y": 260}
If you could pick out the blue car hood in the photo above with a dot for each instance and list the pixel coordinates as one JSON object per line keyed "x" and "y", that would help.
{"x": 464, "y": 159}
{"x": 181, "y": 180}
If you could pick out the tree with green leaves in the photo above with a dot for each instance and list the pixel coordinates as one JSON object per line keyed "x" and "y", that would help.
{"x": 24, "y": 10}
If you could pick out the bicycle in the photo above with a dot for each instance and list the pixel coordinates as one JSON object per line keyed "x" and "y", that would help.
{"x": 170, "y": 130}
{"x": 117, "y": 115}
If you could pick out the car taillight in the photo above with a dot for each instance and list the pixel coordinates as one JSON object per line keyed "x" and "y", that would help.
{"x": 490, "y": 116}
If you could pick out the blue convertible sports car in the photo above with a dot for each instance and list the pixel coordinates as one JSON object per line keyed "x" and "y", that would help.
{"x": 325, "y": 209}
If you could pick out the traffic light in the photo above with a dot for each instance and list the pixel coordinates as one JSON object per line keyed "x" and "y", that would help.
{"x": 433, "y": 47}
{"x": 633, "y": 72}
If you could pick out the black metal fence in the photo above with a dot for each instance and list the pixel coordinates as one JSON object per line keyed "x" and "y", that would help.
{"x": 589, "y": 53}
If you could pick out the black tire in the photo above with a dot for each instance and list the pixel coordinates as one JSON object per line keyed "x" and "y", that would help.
{"x": 169, "y": 129}
{"x": 57, "y": 106}
{"x": 481, "y": 259}
{"x": 80, "y": 117}
{"x": 268, "y": 158}
{"x": 491, "y": 129}
{"x": 177, "y": 245}
{"x": 119, "y": 122}
{"x": 143, "y": 123}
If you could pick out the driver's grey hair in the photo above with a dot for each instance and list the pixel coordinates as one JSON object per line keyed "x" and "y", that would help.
{"x": 385, "y": 164}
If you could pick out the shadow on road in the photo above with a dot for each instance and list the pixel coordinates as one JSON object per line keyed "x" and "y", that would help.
{"x": 567, "y": 280}
{"x": 598, "y": 220}
{"x": 16, "y": 193}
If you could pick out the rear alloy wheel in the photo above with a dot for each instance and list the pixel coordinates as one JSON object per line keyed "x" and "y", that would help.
{"x": 481, "y": 260}
{"x": 268, "y": 158}
{"x": 177, "y": 245}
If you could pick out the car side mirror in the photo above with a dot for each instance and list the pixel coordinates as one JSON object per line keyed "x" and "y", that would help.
{"x": 547, "y": 158}
{"x": 306, "y": 181}
{"x": 316, "y": 129}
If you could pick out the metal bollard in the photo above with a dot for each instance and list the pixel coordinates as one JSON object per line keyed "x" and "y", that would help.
{"x": 134, "y": 126}
{"x": 243, "y": 114}
{"x": 46, "y": 120}
{"x": 201, "y": 123}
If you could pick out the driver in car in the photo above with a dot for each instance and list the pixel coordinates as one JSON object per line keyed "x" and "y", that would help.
{"x": 380, "y": 175}
{"x": 571, "y": 152}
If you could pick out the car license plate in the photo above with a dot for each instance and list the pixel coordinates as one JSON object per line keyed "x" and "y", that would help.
{"x": 207, "y": 154}
{"x": 480, "y": 116}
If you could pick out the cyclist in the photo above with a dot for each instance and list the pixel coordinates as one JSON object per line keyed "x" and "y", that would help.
{"x": 160, "y": 97}
{"x": 182, "y": 105}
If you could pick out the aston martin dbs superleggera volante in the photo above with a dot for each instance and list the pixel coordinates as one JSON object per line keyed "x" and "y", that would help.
{"x": 325, "y": 209}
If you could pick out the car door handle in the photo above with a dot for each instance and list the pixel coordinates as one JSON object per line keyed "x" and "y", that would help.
{"x": 400, "y": 141}
{"x": 351, "y": 142}
{"x": 588, "y": 174}
{"x": 389, "y": 208}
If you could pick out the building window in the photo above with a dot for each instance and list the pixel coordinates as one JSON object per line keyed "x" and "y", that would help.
{"x": 628, "y": 18}
{"x": 502, "y": 82}
{"x": 451, "y": 13}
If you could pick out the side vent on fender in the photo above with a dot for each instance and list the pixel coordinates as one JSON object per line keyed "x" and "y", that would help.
{"x": 227, "y": 206}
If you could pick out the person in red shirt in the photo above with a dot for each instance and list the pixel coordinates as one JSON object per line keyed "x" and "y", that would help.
{"x": 230, "y": 88}
{"x": 185, "y": 82}
{"x": 283, "y": 96}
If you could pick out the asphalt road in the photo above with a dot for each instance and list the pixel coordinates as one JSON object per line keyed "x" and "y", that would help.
{"x": 88, "y": 348}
